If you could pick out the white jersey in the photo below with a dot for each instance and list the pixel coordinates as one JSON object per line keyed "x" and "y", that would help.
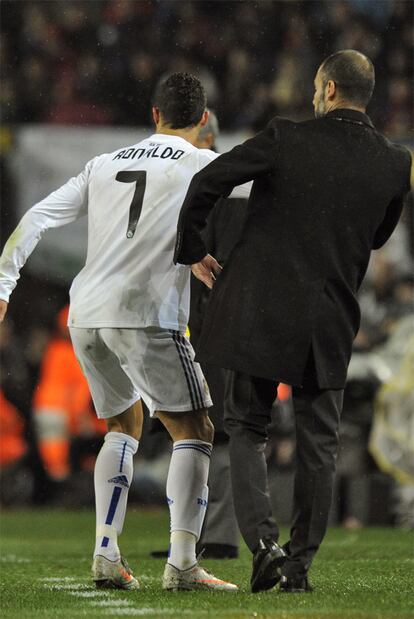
{"x": 132, "y": 198}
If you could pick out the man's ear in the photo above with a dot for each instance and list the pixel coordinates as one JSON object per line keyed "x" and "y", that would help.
{"x": 156, "y": 115}
{"x": 204, "y": 118}
{"x": 331, "y": 90}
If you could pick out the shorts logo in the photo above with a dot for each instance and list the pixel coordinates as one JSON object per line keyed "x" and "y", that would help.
{"x": 169, "y": 501}
{"x": 202, "y": 502}
{"x": 120, "y": 479}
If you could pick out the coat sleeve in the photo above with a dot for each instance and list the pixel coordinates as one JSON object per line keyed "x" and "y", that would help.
{"x": 255, "y": 158}
{"x": 61, "y": 207}
{"x": 393, "y": 213}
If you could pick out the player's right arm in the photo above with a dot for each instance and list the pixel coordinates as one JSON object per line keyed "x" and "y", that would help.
{"x": 61, "y": 207}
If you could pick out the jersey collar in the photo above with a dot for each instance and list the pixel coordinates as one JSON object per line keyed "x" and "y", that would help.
{"x": 166, "y": 137}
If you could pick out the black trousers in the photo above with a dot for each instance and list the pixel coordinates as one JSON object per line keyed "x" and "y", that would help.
{"x": 248, "y": 403}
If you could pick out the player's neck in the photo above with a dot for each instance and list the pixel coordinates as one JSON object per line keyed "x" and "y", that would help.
{"x": 190, "y": 134}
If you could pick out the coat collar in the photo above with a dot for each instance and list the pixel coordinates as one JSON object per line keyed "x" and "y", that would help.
{"x": 352, "y": 116}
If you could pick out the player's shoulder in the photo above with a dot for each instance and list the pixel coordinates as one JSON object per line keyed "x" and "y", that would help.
{"x": 206, "y": 156}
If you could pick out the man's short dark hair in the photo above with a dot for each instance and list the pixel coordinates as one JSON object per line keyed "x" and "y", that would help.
{"x": 181, "y": 99}
{"x": 353, "y": 73}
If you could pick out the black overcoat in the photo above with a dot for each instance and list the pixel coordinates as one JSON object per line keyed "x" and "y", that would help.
{"x": 325, "y": 193}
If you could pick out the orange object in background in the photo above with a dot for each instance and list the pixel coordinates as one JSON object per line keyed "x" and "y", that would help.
{"x": 284, "y": 392}
{"x": 12, "y": 443}
{"x": 62, "y": 403}
{"x": 63, "y": 387}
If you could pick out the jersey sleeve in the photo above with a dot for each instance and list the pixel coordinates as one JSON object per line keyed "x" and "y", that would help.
{"x": 61, "y": 207}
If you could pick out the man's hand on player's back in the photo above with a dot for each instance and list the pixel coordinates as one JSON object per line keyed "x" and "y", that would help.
{"x": 206, "y": 270}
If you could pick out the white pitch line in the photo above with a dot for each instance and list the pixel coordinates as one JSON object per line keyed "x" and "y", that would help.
{"x": 14, "y": 559}
{"x": 89, "y": 594}
{"x": 150, "y": 611}
{"x": 109, "y": 603}
{"x": 67, "y": 587}
{"x": 56, "y": 579}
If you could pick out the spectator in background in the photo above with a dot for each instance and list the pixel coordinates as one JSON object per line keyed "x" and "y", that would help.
{"x": 12, "y": 442}
{"x": 14, "y": 375}
{"x": 62, "y": 405}
{"x": 70, "y": 107}
{"x": 15, "y": 479}
{"x": 392, "y": 436}
{"x": 142, "y": 75}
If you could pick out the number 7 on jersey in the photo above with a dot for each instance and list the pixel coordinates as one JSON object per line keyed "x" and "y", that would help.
{"x": 140, "y": 179}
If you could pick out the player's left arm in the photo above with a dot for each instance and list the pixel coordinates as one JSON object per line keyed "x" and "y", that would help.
{"x": 61, "y": 207}
{"x": 255, "y": 158}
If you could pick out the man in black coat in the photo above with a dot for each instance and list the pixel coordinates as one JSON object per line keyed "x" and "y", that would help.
{"x": 284, "y": 309}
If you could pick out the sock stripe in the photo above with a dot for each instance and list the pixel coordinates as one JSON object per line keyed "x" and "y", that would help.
{"x": 122, "y": 457}
{"x": 105, "y": 542}
{"x": 185, "y": 343}
{"x": 205, "y": 450}
{"x": 197, "y": 443}
{"x": 113, "y": 505}
{"x": 184, "y": 364}
{"x": 205, "y": 446}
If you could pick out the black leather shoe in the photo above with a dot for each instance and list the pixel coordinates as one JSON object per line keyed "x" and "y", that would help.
{"x": 267, "y": 561}
{"x": 299, "y": 584}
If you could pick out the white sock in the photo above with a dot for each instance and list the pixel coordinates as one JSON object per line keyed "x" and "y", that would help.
{"x": 113, "y": 476}
{"x": 187, "y": 494}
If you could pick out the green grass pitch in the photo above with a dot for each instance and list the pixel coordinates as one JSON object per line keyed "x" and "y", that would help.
{"x": 45, "y": 560}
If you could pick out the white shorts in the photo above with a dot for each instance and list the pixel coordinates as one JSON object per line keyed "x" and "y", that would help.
{"x": 122, "y": 365}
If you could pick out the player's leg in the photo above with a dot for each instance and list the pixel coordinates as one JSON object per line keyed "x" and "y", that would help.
{"x": 187, "y": 494}
{"x": 117, "y": 401}
{"x": 173, "y": 387}
{"x": 113, "y": 476}
{"x": 187, "y": 491}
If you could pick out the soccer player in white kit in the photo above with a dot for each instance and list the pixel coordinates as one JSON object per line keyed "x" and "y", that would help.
{"x": 129, "y": 310}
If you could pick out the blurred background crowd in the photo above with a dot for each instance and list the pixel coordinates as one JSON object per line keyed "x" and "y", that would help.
{"x": 96, "y": 63}
{"x": 77, "y": 62}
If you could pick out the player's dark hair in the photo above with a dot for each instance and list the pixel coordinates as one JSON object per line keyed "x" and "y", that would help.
{"x": 181, "y": 99}
{"x": 353, "y": 73}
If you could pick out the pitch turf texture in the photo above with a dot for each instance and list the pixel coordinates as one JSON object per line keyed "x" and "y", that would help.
{"x": 45, "y": 563}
